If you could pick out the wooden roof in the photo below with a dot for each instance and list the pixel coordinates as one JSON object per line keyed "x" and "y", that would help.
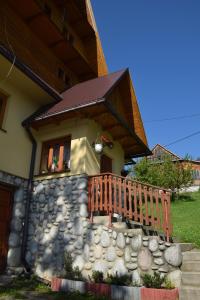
{"x": 110, "y": 101}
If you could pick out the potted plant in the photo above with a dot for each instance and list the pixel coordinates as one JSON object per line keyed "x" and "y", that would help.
{"x": 158, "y": 287}
{"x": 97, "y": 286}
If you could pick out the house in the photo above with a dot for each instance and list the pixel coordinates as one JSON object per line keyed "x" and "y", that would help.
{"x": 57, "y": 104}
{"x": 159, "y": 151}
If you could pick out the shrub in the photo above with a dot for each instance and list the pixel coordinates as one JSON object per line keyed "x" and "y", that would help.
{"x": 70, "y": 272}
{"x": 155, "y": 281}
{"x": 119, "y": 279}
{"x": 97, "y": 276}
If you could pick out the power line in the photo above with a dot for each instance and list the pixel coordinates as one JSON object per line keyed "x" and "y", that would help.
{"x": 173, "y": 118}
{"x": 183, "y": 138}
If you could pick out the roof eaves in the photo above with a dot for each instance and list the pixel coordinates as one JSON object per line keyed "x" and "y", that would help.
{"x": 27, "y": 71}
{"x": 94, "y": 102}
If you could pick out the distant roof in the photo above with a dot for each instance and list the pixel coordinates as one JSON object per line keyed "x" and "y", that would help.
{"x": 84, "y": 94}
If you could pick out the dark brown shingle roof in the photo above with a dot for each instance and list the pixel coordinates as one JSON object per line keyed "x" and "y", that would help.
{"x": 84, "y": 94}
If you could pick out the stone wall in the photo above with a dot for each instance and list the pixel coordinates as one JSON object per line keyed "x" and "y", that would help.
{"x": 58, "y": 223}
{"x": 17, "y": 221}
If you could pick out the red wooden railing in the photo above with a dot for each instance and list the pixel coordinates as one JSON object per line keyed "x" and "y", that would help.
{"x": 143, "y": 203}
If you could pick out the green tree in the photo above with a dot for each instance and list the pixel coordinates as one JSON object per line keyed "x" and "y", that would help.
{"x": 164, "y": 173}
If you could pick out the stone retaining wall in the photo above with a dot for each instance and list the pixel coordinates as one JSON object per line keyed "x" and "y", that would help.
{"x": 58, "y": 223}
{"x": 16, "y": 227}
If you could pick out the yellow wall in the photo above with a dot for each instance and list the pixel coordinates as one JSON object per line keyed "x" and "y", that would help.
{"x": 83, "y": 133}
{"x": 24, "y": 97}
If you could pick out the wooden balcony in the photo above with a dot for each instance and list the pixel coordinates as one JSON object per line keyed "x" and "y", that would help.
{"x": 133, "y": 200}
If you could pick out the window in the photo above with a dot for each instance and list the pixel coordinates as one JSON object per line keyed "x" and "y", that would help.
{"x": 56, "y": 155}
{"x": 3, "y": 100}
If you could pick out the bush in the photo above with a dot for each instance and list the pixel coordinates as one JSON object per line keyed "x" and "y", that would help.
{"x": 97, "y": 276}
{"x": 70, "y": 272}
{"x": 155, "y": 281}
{"x": 119, "y": 279}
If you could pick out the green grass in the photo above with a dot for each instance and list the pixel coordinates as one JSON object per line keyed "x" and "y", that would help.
{"x": 19, "y": 289}
{"x": 186, "y": 218}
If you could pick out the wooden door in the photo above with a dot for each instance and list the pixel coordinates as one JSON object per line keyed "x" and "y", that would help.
{"x": 5, "y": 216}
{"x": 106, "y": 164}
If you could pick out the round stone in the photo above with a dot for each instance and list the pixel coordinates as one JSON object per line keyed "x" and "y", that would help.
{"x": 136, "y": 277}
{"x": 173, "y": 255}
{"x": 120, "y": 240}
{"x": 82, "y": 184}
{"x": 162, "y": 247}
{"x": 39, "y": 188}
{"x": 14, "y": 257}
{"x": 127, "y": 255}
{"x": 16, "y": 225}
{"x": 111, "y": 254}
{"x": 79, "y": 262}
{"x": 159, "y": 261}
{"x": 88, "y": 266}
{"x": 119, "y": 267}
{"x": 175, "y": 278}
{"x": 19, "y": 194}
{"x": 131, "y": 266}
{"x": 145, "y": 243}
{"x": 101, "y": 266}
{"x": 119, "y": 252}
{"x": 98, "y": 251}
{"x": 154, "y": 267}
{"x": 157, "y": 254}
{"x": 19, "y": 210}
{"x": 79, "y": 243}
{"x": 83, "y": 210}
{"x": 86, "y": 252}
{"x": 14, "y": 240}
{"x": 144, "y": 259}
{"x": 83, "y": 198}
{"x": 153, "y": 245}
{"x": 97, "y": 239}
{"x": 164, "y": 269}
{"x": 136, "y": 242}
{"x": 114, "y": 235}
{"x": 105, "y": 239}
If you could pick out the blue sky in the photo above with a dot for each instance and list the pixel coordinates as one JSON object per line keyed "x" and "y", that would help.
{"x": 159, "y": 40}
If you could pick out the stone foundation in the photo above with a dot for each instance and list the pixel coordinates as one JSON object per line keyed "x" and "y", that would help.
{"x": 58, "y": 223}
{"x": 17, "y": 221}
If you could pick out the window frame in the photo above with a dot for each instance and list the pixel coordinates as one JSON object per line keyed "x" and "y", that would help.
{"x": 50, "y": 144}
{"x": 3, "y": 98}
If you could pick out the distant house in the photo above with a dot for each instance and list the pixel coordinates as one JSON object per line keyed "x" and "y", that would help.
{"x": 158, "y": 152}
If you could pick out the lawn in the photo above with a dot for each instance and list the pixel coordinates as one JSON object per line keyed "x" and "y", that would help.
{"x": 32, "y": 289}
{"x": 186, "y": 218}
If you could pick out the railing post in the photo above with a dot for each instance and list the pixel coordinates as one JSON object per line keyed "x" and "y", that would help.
{"x": 110, "y": 200}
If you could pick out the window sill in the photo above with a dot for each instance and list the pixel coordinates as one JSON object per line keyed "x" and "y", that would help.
{"x": 52, "y": 175}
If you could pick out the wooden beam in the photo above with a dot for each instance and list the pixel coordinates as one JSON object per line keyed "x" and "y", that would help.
{"x": 112, "y": 126}
{"x": 32, "y": 18}
{"x": 53, "y": 45}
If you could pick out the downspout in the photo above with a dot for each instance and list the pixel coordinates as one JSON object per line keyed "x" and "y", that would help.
{"x": 29, "y": 196}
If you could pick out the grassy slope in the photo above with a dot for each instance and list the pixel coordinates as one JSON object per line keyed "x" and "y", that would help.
{"x": 186, "y": 218}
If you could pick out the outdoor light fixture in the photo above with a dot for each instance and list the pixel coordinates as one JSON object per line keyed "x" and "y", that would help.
{"x": 100, "y": 143}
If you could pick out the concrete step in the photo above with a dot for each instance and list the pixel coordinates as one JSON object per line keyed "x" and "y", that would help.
{"x": 193, "y": 255}
{"x": 189, "y": 293}
{"x": 191, "y": 279}
{"x": 190, "y": 266}
{"x": 186, "y": 247}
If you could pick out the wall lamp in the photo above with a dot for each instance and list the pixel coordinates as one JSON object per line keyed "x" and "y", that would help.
{"x": 100, "y": 143}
